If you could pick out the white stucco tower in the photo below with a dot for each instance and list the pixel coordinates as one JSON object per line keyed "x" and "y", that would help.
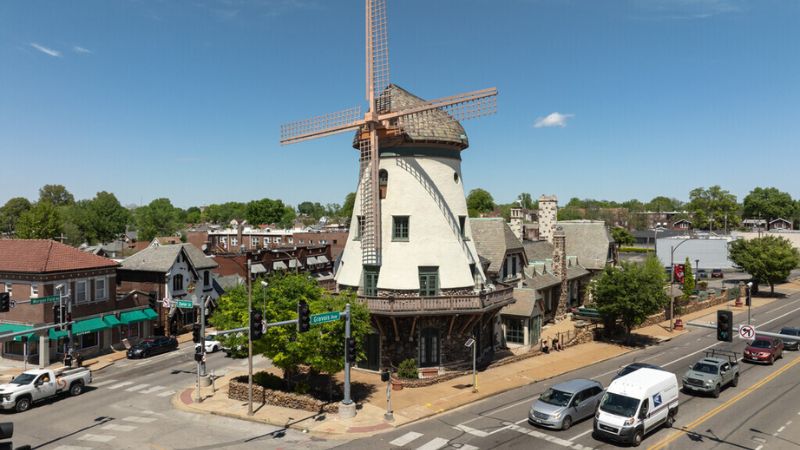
{"x": 429, "y": 292}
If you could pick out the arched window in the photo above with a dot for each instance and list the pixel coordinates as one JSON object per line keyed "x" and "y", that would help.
{"x": 177, "y": 283}
{"x": 383, "y": 181}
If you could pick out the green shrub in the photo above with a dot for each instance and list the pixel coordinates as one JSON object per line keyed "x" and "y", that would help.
{"x": 408, "y": 369}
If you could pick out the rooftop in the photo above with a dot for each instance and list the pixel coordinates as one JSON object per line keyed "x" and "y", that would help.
{"x": 46, "y": 256}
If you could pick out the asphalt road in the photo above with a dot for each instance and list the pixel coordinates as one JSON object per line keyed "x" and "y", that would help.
{"x": 129, "y": 407}
{"x": 759, "y": 412}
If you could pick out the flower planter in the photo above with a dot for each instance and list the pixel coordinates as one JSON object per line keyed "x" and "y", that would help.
{"x": 397, "y": 385}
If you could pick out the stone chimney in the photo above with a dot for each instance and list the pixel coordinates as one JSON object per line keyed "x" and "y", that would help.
{"x": 548, "y": 216}
{"x": 239, "y": 233}
{"x": 560, "y": 269}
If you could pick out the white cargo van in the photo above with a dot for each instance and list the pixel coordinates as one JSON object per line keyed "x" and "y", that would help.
{"x": 636, "y": 404}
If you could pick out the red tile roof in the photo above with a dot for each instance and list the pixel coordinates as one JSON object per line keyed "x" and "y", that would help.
{"x": 42, "y": 256}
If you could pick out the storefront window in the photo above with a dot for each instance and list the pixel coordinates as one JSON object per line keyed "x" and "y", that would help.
{"x": 515, "y": 331}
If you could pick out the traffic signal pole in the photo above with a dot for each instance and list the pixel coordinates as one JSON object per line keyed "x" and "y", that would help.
{"x": 347, "y": 399}
{"x": 249, "y": 338}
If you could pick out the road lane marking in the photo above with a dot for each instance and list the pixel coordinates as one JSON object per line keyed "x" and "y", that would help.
{"x": 165, "y": 393}
{"x": 152, "y": 389}
{"x": 573, "y": 438}
{"x": 103, "y": 383}
{"x": 119, "y": 385}
{"x": 434, "y": 444}
{"x": 548, "y": 438}
{"x": 97, "y": 437}
{"x": 406, "y": 438}
{"x": 468, "y": 447}
{"x": 137, "y": 419}
{"x": 470, "y": 430}
{"x": 71, "y": 447}
{"x": 115, "y": 427}
{"x": 780, "y": 430}
{"x": 137, "y": 387}
{"x": 687, "y": 428}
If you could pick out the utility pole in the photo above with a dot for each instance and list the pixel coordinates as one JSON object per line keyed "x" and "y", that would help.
{"x": 249, "y": 338}
{"x": 671, "y": 282}
{"x": 201, "y": 362}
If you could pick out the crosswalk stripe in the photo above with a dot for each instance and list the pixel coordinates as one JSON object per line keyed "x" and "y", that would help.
{"x": 97, "y": 437}
{"x": 406, "y": 438}
{"x": 119, "y": 385}
{"x": 152, "y": 389}
{"x": 468, "y": 447}
{"x": 71, "y": 447}
{"x": 434, "y": 444}
{"x": 103, "y": 383}
{"x": 137, "y": 387}
{"x": 115, "y": 427}
{"x": 165, "y": 393}
{"x": 137, "y": 419}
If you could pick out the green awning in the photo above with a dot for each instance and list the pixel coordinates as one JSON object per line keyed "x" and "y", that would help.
{"x": 89, "y": 326}
{"x": 111, "y": 320}
{"x": 13, "y": 328}
{"x": 152, "y": 315}
{"x": 129, "y": 317}
{"x": 56, "y": 334}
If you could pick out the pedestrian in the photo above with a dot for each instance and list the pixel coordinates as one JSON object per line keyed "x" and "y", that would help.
{"x": 545, "y": 348}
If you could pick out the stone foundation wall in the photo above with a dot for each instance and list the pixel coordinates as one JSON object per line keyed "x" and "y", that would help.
{"x": 238, "y": 391}
{"x": 692, "y": 306}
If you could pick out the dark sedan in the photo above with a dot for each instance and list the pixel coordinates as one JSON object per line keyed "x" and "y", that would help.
{"x": 634, "y": 367}
{"x": 791, "y": 344}
{"x": 152, "y": 346}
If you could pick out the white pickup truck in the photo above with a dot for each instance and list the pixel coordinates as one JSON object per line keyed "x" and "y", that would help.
{"x": 36, "y": 385}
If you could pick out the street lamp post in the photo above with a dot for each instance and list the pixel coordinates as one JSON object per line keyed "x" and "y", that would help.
{"x": 672, "y": 281}
{"x": 749, "y": 300}
{"x": 249, "y": 338}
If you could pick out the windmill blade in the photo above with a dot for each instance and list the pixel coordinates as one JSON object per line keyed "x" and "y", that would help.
{"x": 377, "y": 56}
{"x": 319, "y": 126}
{"x": 460, "y": 107}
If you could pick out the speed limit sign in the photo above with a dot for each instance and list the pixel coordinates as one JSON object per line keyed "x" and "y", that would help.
{"x": 747, "y": 332}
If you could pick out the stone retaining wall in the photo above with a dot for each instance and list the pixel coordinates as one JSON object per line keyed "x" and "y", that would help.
{"x": 692, "y": 306}
{"x": 238, "y": 391}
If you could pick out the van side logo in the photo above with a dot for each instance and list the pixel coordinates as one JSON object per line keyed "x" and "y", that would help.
{"x": 657, "y": 400}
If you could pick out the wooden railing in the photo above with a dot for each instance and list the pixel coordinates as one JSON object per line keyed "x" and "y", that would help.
{"x": 456, "y": 303}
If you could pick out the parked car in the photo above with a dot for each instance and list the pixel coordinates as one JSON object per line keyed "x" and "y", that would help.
{"x": 566, "y": 403}
{"x": 716, "y": 273}
{"x": 153, "y": 346}
{"x": 718, "y": 369}
{"x": 764, "y": 349}
{"x": 37, "y": 385}
{"x": 634, "y": 367}
{"x": 791, "y": 344}
{"x": 635, "y": 405}
{"x": 212, "y": 343}
{"x": 702, "y": 273}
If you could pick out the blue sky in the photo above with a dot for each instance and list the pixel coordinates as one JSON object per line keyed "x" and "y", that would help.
{"x": 632, "y": 98}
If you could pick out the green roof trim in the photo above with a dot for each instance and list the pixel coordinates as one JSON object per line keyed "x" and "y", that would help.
{"x": 129, "y": 317}
{"x": 111, "y": 320}
{"x": 150, "y": 313}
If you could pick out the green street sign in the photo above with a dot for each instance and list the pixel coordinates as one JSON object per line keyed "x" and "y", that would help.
{"x": 48, "y": 299}
{"x": 332, "y": 316}
{"x": 186, "y": 304}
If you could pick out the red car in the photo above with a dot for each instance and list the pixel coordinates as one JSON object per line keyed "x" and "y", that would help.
{"x": 764, "y": 349}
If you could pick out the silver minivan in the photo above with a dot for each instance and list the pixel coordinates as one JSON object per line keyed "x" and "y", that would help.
{"x": 566, "y": 403}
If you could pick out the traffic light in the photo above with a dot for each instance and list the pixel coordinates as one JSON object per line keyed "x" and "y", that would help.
{"x": 56, "y": 313}
{"x": 303, "y": 317}
{"x": 69, "y": 321}
{"x": 256, "y": 325}
{"x": 198, "y": 353}
{"x": 350, "y": 350}
{"x": 725, "y": 325}
{"x": 5, "y": 302}
{"x": 196, "y": 333}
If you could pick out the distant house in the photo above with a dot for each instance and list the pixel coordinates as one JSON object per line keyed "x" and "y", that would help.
{"x": 780, "y": 224}
{"x": 32, "y": 270}
{"x": 682, "y": 224}
{"x": 754, "y": 223}
{"x": 170, "y": 272}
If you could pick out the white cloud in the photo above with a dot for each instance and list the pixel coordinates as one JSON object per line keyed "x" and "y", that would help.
{"x": 79, "y": 49}
{"x": 555, "y": 119}
{"x": 45, "y": 50}
{"x": 688, "y": 9}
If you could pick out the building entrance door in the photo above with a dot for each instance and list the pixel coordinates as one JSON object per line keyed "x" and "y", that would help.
{"x": 372, "y": 348}
{"x": 429, "y": 348}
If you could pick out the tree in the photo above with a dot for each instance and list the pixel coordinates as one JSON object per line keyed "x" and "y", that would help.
{"x": 713, "y": 207}
{"x": 526, "y": 201}
{"x": 569, "y": 214}
{"x": 630, "y": 293}
{"x": 108, "y": 217}
{"x": 479, "y": 201}
{"x": 194, "y": 215}
{"x": 768, "y": 259}
{"x": 622, "y": 237}
{"x": 322, "y": 348}
{"x": 56, "y": 194}
{"x": 633, "y": 205}
{"x": 224, "y": 213}
{"x": 663, "y": 204}
{"x": 267, "y": 210}
{"x": 769, "y": 203}
{"x": 78, "y": 222}
{"x": 10, "y": 212}
{"x": 315, "y": 209}
{"x": 42, "y": 221}
{"x": 688, "y": 279}
{"x": 159, "y": 218}
{"x": 349, "y": 204}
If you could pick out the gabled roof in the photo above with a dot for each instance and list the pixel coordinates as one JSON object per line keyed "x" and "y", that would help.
{"x": 161, "y": 258}
{"x": 779, "y": 219}
{"x": 46, "y": 256}
{"x": 538, "y": 250}
{"x": 493, "y": 239}
{"x": 542, "y": 281}
{"x": 589, "y": 240}
{"x": 524, "y": 305}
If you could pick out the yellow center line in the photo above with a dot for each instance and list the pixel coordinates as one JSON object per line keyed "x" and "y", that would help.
{"x": 686, "y": 429}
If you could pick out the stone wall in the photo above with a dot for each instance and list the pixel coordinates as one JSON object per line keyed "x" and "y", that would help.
{"x": 692, "y": 306}
{"x": 238, "y": 391}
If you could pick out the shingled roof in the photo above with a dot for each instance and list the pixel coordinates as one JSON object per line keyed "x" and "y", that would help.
{"x": 493, "y": 239}
{"x": 434, "y": 126}
{"x": 161, "y": 258}
{"x": 589, "y": 240}
{"x": 46, "y": 256}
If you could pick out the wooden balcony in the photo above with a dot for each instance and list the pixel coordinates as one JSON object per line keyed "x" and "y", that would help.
{"x": 460, "y": 304}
